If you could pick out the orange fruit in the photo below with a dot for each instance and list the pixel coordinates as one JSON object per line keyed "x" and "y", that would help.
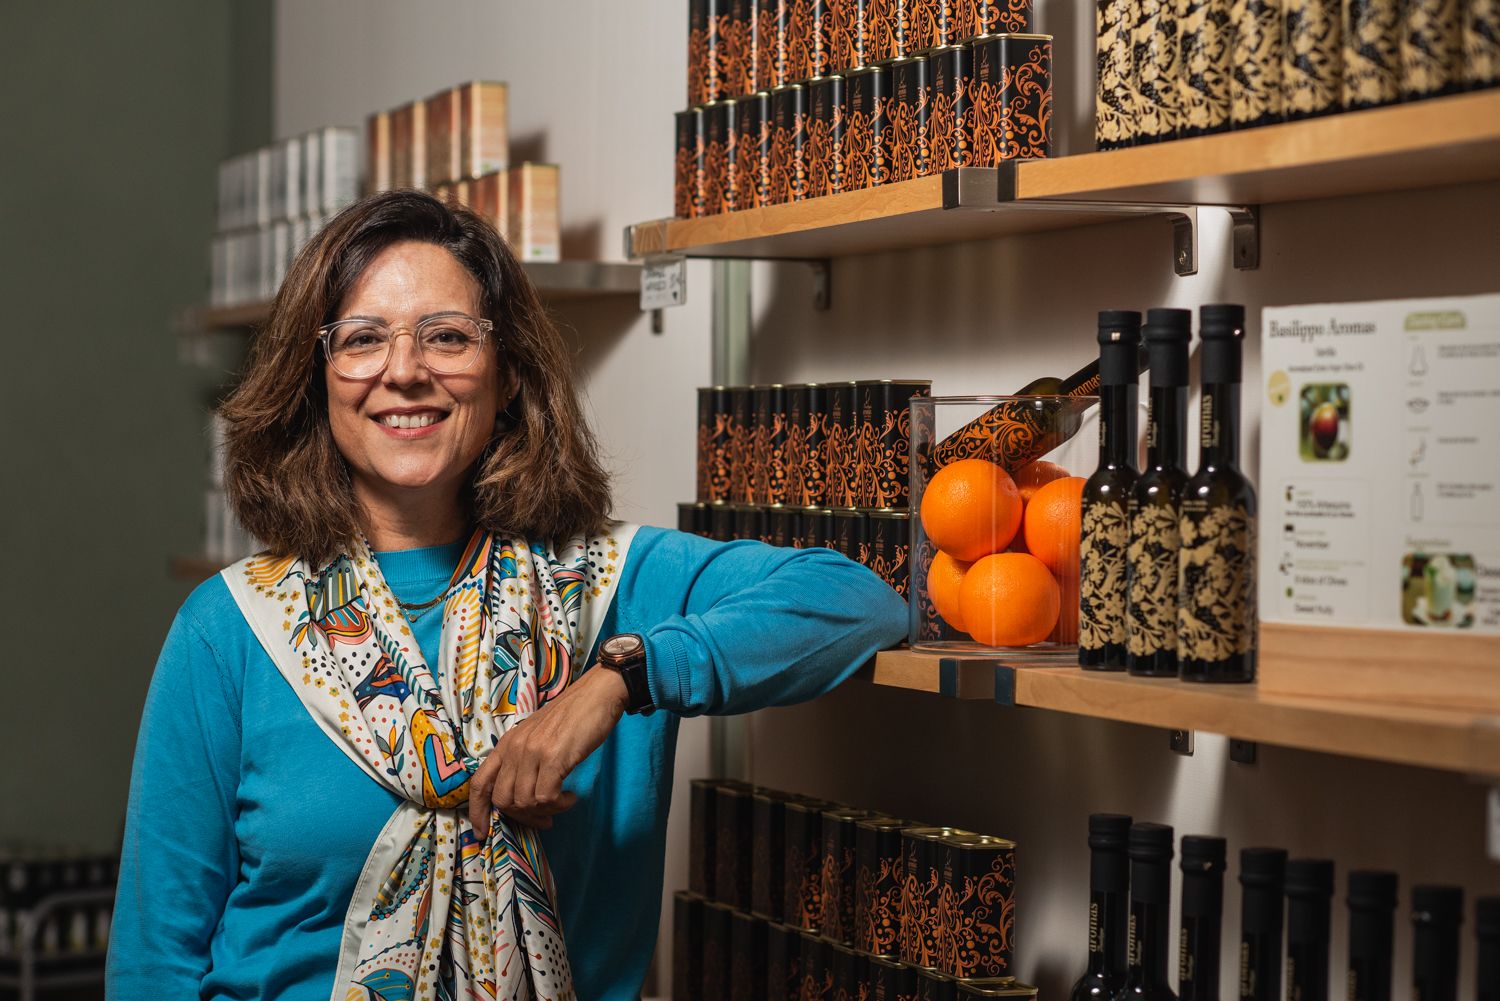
{"x": 1035, "y": 475}
{"x": 971, "y": 508}
{"x": 943, "y": 580}
{"x": 1009, "y": 599}
{"x": 1054, "y": 521}
{"x": 1067, "y": 618}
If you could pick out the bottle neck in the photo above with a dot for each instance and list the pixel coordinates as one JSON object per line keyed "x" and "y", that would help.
{"x": 1150, "y": 885}
{"x": 1109, "y": 898}
{"x": 1117, "y": 425}
{"x": 1166, "y": 428}
{"x": 1202, "y": 909}
{"x": 1219, "y": 425}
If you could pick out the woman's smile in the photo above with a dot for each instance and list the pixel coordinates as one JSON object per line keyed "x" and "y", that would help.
{"x": 410, "y": 422}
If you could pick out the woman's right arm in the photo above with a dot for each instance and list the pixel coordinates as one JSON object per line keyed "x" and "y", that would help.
{"x": 180, "y": 857}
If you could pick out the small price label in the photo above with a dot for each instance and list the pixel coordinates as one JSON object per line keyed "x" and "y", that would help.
{"x": 663, "y": 283}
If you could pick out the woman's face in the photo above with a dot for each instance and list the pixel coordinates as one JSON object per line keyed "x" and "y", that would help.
{"x": 405, "y": 283}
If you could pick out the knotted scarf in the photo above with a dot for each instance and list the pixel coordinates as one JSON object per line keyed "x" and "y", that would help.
{"x": 438, "y": 913}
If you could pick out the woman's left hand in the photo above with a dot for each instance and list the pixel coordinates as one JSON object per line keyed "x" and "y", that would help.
{"x": 523, "y": 776}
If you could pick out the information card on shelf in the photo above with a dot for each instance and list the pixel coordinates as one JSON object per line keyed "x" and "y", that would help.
{"x": 1380, "y": 464}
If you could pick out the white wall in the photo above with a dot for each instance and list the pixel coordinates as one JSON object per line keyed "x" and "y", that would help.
{"x": 594, "y": 84}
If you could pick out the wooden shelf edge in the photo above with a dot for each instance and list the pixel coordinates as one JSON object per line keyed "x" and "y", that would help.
{"x": 1453, "y": 740}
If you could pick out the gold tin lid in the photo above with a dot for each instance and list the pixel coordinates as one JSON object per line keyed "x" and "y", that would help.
{"x": 846, "y": 813}
{"x": 915, "y": 57}
{"x": 895, "y": 514}
{"x": 935, "y": 833}
{"x": 826, "y": 77}
{"x": 750, "y": 97}
{"x": 1005, "y": 34}
{"x": 977, "y": 841}
{"x": 893, "y": 382}
{"x": 880, "y": 823}
{"x": 808, "y": 804}
{"x": 787, "y": 86}
{"x": 998, "y": 987}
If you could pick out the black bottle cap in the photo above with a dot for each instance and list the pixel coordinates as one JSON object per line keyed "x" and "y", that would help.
{"x": 1262, "y": 866}
{"x": 1222, "y": 328}
{"x": 1167, "y": 333}
{"x": 1150, "y": 842}
{"x": 1309, "y": 877}
{"x": 1225, "y": 321}
{"x": 1487, "y": 918}
{"x": 1202, "y": 854}
{"x": 1119, "y": 347}
{"x": 1372, "y": 890}
{"x": 1437, "y": 905}
{"x": 1109, "y": 831}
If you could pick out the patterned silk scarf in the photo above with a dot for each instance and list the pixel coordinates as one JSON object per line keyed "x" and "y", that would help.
{"x": 436, "y": 912}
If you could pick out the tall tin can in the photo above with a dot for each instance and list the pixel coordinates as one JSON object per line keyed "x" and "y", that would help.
{"x": 883, "y": 440}
{"x": 867, "y": 92}
{"x": 741, "y": 442}
{"x": 721, "y": 522}
{"x": 783, "y": 963}
{"x": 732, "y": 845}
{"x": 890, "y": 547}
{"x": 1431, "y": 49}
{"x": 1154, "y": 45}
{"x": 1372, "y": 53}
{"x": 824, "y": 151}
{"x": 770, "y": 52}
{"x": 807, "y": 39}
{"x": 741, "y": 48}
{"x": 888, "y": 29}
{"x": 837, "y": 923}
{"x": 1012, "y": 98}
{"x": 1481, "y": 44}
{"x": 717, "y": 930}
{"x": 687, "y": 945}
{"x": 817, "y": 969}
{"x": 977, "y": 906}
{"x": 1312, "y": 58}
{"x": 783, "y": 526}
{"x": 768, "y": 852}
{"x": 1001, "y": 16}
{"x": 747, "y": 958}
{"x": 753, "y": 151}
{"x": 713, "y": 440}
{"x": 806, "y": 482}
{"x": 802, "y": 895}
{"x": 844, "y": 966}
{"x": 701, "y": 829}
{"x": 949, "y": 120}
{"x": 768, "y": 467}
{"x": 1114, "y": 114}
{"x": 849, "y": 40}
{"x": 878, "y": 885}
{"x": 926, "y": 24}
{"x": 935, "y": 985}
{"x": 687, "y": 188}
{"x": 817, "y": 528}
{"x": 719, "y": 174}
{"x": 750, "y": 522}
{"x": 891, "y": 979}
{"x": 907, "y": 118}
{"x": 1203, "y": 80}
{"x": 703, "y": 51}
{"x": 840, "y": 441}
{"x": 1255, "y": 54}
{"x": 787, "y": 173}
{"x": 849, "y": 533}
{"x": 921, "y": 869}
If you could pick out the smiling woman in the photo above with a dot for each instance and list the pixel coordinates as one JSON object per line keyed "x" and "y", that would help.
{"x": 336, "y": 793}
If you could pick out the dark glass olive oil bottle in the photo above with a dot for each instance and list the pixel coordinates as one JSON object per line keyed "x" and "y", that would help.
{"x": 1202, "y": 918}
{"x": 1150, "y": 914}
{"x": 1109, "y": 904}
{"x": 1372, "y": 935}
{"x": 1262, "y": 911}
{"x": 1309, "y": 903}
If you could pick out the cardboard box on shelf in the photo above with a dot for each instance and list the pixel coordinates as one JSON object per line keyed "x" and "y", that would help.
{"x": 535, "y": 231}
{"x": 409, "y": 146}
{"x": 378, "y": 152}
{"x": 484, "y": 128}
{"x": 489, "y": 198}
{"x": 443, "y": 136}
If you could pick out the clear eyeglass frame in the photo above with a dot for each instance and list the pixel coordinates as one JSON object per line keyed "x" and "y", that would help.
{"x": 430, "y": 352}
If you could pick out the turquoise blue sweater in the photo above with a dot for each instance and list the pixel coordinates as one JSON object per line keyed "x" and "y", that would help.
{"x": 247, "y": 827}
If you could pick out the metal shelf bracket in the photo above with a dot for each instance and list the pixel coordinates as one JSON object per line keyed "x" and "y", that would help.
{"x": 1181, "y": 742}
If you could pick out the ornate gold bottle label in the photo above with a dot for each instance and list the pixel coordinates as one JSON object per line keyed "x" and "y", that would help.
{"x": 1372, "y": 52}
{"x": 1216, "y": 603}
{"x": 1431, "y": 48}
{"x": 1101, "y": 568}
{"x": 1311, "y": 60}
{"x": 1203, "y": 83}
{"x": 1155, "y": 545}
{"x": 1255, "y": 55}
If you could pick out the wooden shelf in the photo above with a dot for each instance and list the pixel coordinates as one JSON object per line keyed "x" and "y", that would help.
{"x": 1450, "y": 140}
{"x": 194, "y": 568}
{"x": 556, "y": 281}
{"x": 1455, "y": 740}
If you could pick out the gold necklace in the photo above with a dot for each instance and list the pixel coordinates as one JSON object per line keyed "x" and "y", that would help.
{"x": 421, "y": 608}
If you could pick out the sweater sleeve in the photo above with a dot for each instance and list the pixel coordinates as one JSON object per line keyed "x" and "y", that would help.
{"x": 739, "y": 626}
{"x": 180, "y": 858}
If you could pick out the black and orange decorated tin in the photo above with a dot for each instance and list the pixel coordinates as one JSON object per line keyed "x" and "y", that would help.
{"x": 1431, "y": 48}
{"x": 703, "y": 797}
{"x": 695, "y": 519}
{"x": 906, "y": 125}
{"x": 687, "y": 944}
{"x": 878, "y": 885}
{"x": 787, "y": 165}
{"x": 817, "y": 972}
{"x": 686, "y": 517}
{"x": 1372, "y": 53}
{"x": 950, "y": 141}
{"x": 867, "y": 154}
{"x": 806, "y": 483}
{"x": 747, "y": 957}
{"x": 837, "y": 924}
{"x": 849, "y": 38}
{"x": 721, "y": 522}
{"x": 771, "y": 37}
{"x": 927, "y": 23}
{"x": 703, "y": 54}
{"x": 935, "y": 985}
{"x": 890, "y": 979}
{"x": 977, "y": 906}
{"x": 882, "y": 448}
{"x": 1012, "y": 98}
{"x": 750, "y": 522}
{"x": 713, "y": 440}
{"x": 995, "y": 987}
{"x": 889, "y": 534}
{"x": 783, "y": 962}
{"x": 1481, "y": 44}
{"x": 719, "y": 135}
{"x": 1312, "y": 58}
{"x": 1255, "y": 58}
{"x": 1203, "y": 54}
{"x": 849, "y": 533}
{"x": 768, "y": 848}
{"x": 1000, "y": 16}
{"x": 824, "y": 151}
{"x": 740, "y": 443}
{"x": 921, "y": 869}
{"x": 732, "y": 844}
{"x": 687, "y": 187}
{"x": 844, "y": 968}
{"x": 808, "y": 26}
{"x": 752, "y": 159}
{"x": 768, "y": 453}
{"x": 816, "y": 528}
{"x": 802, "y": 897}
{"x": 888, "y": 29}
{"x": 717, "y": 929}
{"x": 740, "y": 44}
{"x": 1114, "y": 105}
{"x": 840, "y": 441}
{"x": 783, "y": 526}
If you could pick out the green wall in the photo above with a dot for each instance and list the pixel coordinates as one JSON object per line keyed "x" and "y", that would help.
{"x": 112, "y": 119}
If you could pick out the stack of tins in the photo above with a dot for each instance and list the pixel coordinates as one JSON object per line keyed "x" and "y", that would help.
{"x": 795, "y": 99}
{"x": 792, "y": 898}
{"x": 809, "y": 465}
{"x": 1176, "y": 68}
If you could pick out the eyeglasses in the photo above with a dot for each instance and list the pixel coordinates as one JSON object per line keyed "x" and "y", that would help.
{"x": 447, "y": 344}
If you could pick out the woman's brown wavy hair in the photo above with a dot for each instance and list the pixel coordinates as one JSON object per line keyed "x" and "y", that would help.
{"x": 539, "y": 478}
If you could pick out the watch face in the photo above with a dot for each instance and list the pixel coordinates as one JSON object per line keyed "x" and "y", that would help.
{"x": 622, "y": 645}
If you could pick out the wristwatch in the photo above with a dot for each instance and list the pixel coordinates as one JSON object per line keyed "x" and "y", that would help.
{"x": 626, "y": 653}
